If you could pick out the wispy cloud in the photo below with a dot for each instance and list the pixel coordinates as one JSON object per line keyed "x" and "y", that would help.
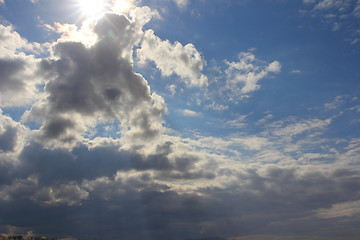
{"x": 189, "y": 113}
{"x": 340, "y": 14}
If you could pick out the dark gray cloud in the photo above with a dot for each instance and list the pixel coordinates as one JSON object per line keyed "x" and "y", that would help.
{"x": 15, "y": 81}
{"x": 9, "y": 69}
{"x": 139, "y": 204}
{"x": 8, "y": 139}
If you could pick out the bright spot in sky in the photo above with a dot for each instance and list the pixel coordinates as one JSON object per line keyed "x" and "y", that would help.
{"x": 122, "y": 6}
{"x": 91, "y": 7}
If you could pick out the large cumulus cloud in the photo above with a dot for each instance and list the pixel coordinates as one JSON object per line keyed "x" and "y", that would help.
{"x": 97, "y": 84}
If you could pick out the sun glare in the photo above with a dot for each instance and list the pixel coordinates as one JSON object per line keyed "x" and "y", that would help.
{"x": 122, "y": 6}
{"x": 91, "y": 7}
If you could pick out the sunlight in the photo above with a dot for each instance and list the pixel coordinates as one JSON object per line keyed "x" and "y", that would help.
{"x": 122, "y": 6}
{"x": 91, "y": 7}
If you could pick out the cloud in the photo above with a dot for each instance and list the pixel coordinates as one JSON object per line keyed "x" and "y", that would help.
{"x": 184, "y": 61}
{"x": 17, "y": 68}
{"x": 323, "y": 4}
{"x": 181, "y": 3}
{"x": 346, "y": 209}
{"x": 148, "y": 182}
{"x": 145, "y": 203}
{"x": 239, "y": 122}
{"x": 12, "y": 137}
{"x": 300, "y": 127}
{"x": 172, "y": 89}
{"x": 189, "y": 113}
{"x": 181, "y": 188}
{"x": 242, "y": 77}
{"x": 336, "y": 103}
{"x": 339, "y": 14}
{"x": 89, "y": 85}
{"x": 33, "y": 1}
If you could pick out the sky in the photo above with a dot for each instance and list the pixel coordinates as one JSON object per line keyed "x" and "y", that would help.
{"x": 180, "y": 119}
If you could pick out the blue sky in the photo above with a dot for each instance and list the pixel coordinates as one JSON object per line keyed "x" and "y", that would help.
{"x": 180, "y": 119}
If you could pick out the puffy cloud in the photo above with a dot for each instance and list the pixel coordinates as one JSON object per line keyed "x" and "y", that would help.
{"x": 13, "y": 44}
{"x": 17, "y": 68}
{"x": 184, "y": 61}
{"x": 243, "y": 76}
{"x": 13, "y": 136}
{"x": 88, "y": 85}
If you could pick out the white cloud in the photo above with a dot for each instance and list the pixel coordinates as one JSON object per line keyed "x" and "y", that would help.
{"x": 184, "y": 61}
{"x": 300, "y": 127}
{"x": 71, "y": 32}
{"x": 33, "y": 1}
{"x": 242, "y": 77}
{"x": 329, "y": 3}
{"x": 336, "y": 103}
{"x": 189, "y": 113}
{"x": 296, "y": 71}
{"x": 172, "y": 89}
{"x": 239, "y": 122}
